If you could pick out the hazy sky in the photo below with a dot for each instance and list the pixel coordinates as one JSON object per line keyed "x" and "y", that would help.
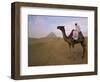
{"x": 41, "y": 26}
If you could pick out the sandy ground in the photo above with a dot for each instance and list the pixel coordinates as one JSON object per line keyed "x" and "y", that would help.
{"x": 55, "y": 51}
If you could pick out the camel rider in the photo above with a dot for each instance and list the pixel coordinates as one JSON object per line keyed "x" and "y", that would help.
{"x": 77, "y": 27}
{"x": 76, "y": 32}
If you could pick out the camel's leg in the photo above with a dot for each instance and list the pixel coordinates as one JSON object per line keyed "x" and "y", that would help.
{"x": 70, "y": 50}
{"x": 83, "y": 52}
{"x": 84, "y": 49}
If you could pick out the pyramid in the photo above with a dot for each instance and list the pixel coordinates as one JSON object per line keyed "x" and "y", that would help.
{"x": 51, "y": 35}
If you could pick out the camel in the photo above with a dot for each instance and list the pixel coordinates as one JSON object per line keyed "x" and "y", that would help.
{"x": 72, "y": 43}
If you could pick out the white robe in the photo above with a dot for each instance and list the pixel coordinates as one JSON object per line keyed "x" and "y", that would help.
{"x": 75, "y": 35}
{"x": 77, "y": 28}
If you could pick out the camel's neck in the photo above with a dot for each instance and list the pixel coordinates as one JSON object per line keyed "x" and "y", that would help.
{"x": 65, "y": 36}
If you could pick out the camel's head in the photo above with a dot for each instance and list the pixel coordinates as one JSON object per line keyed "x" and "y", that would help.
{"x": 60, "y": 28}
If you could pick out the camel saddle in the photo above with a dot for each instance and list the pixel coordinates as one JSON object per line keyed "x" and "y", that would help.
{"x": 80, "y": 36}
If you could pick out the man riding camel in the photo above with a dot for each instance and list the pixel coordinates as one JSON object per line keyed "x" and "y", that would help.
{"x": 76, "y": 34}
